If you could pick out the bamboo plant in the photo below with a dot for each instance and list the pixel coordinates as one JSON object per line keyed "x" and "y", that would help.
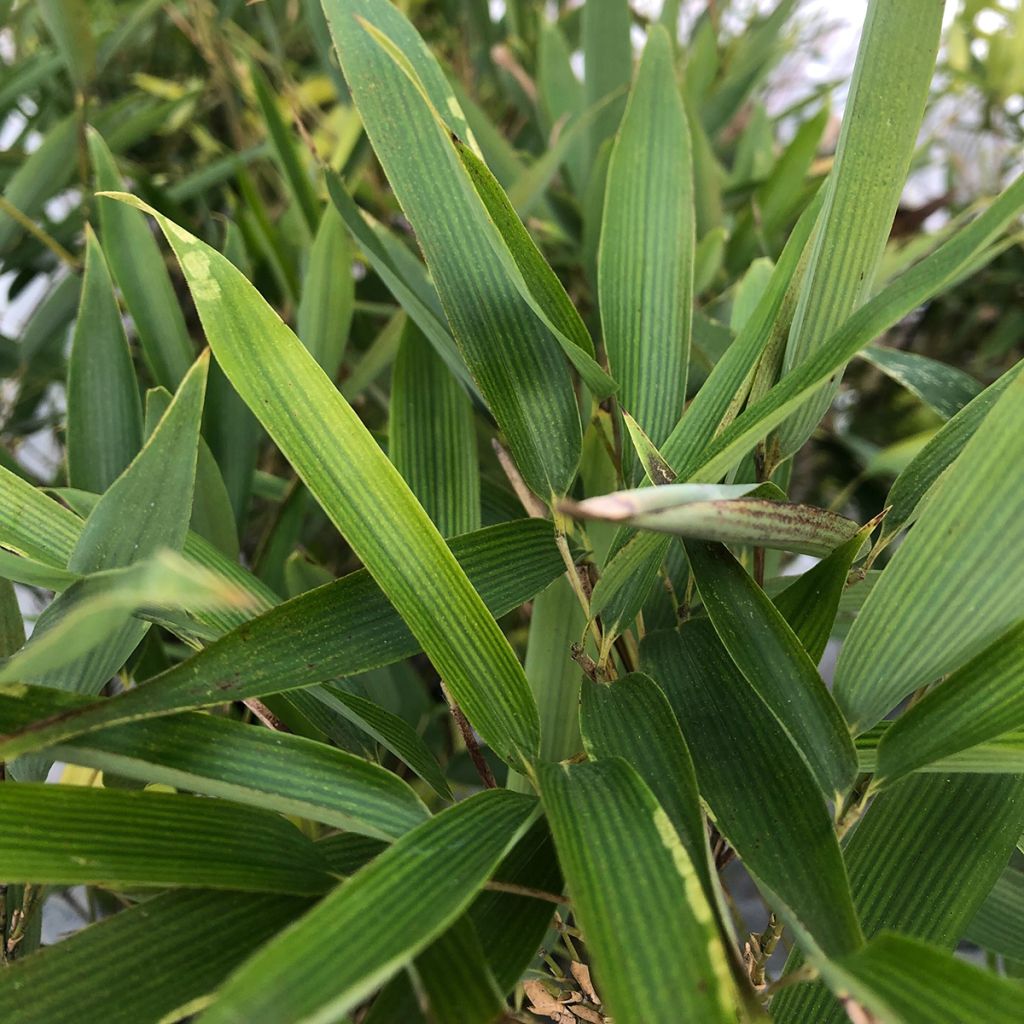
{"x": 414, "y": 630}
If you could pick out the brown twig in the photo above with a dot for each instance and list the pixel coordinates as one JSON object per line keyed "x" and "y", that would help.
{"x": 265, "y": 715}
{"x": 534, "y": 507}
{"x": 483, "y": 769}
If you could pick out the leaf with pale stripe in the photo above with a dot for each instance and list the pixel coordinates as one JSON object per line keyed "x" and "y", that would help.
{"x": 636, "y": 897}
{"x": 765, "y": 812}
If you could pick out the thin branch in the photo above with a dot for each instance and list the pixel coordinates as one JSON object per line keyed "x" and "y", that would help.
{"x": 51, "y": 243}
{"x": 525, "y": 890}
{"x": 483, "y": 769}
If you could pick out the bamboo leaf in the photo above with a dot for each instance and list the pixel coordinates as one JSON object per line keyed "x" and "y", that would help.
{"x": 328, "y": 294}
{"x": 645, "y": 259}
{"x": 523, "y": 379}
{"x": 956, "y": 583}
{"x": 339, "y": 630}
{"x": 637, "y": 896}
{"x": 104, "y": 411}
{"x": 141, "y": 275}
{"x": 68, "y": 22}
{"x": 978, "y": 702}
{"x": 1001, "y": 755}
{"x": 432, "y": 439}
{"x": 996, "y": 925}
{"x": 97, "y": 605}
{"x": 937, "y": 455}
{"x": 765, "y": 814}
{"x": 895, "y": 301}
{"x": 921, "y": 863}
{"x": 286, "y": 151}
{"x": 894, "y": 68}
{"x": 72, "y": 835}
{"x": 214, "y": 756}
{"x": 212, "y": 515}
{"x": 720, "y": 512}
{"x": 313, "y": 971}
{"x": 392, "y": 732}
{"x": 197, "y": 938}
{"x": 533, "y": 279}
{"x": 608, "y": 67}
{"x": 944, "y": 388}
{"x": 365, "y": 497}
{"x": 811, "y": 603}
{"x": 768, "y": 653}
{"x": 417, "y": 298}
{"x": 909, "y": 982}
{"x": 632, "y": 719}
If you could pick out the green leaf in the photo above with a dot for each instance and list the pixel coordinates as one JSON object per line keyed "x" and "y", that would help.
{"x": 196, "y": 938}
{"x": 403, "y": 101}
{"x": 996, "y": 925}
{"x": 432, "y": 438}
{"x": 314, "y": 971}
{"x": 894, "y": 68}
{"x": 141, "y": 275}
{"x": 921, "y": 862}
{"x": 944, "y": 388}
{"x": 909, "y": 982}
{"x": 212, "y": 515}
{"x": 392, "y": 732}
{"x": 70, "y": 26}
{"x": 1001, "y": 755}
{"x": 937, "y": 455}
{"x": 160, "y": 480}
{"x": 978, "y": 702}
{"x": 608, "y": 63}
{"x": 417, "y": 297}
{"x": 636, "y": 896}
{"x": 779, "y": 670}
{"x": 632, "y": 719}
{"x": 365, "y": 497}
{"x": 645, "y": 258}
{"x": 534, "y": 280}
{"x": 560, "y": 95}
{"x": 98, "y": 605}
{"x": 761, "y": 794}
{"x": 954, "y": 585}
{"x": 556, "y": 623}
{"x": 720, "y": 512}
{"x": 342, "y": 629}
{"x": 288, "y": 154}
{"x": 104, "y": 412}
{"x": 73, "y": 835}
{"x": 45, "y": 171}
{"x": 215, "y": 756}
{"x": 328, "y": 294}
{"x": 458, "y": 983}
{"x": 888, "y": 307}
{"x": 810, "y": 603}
